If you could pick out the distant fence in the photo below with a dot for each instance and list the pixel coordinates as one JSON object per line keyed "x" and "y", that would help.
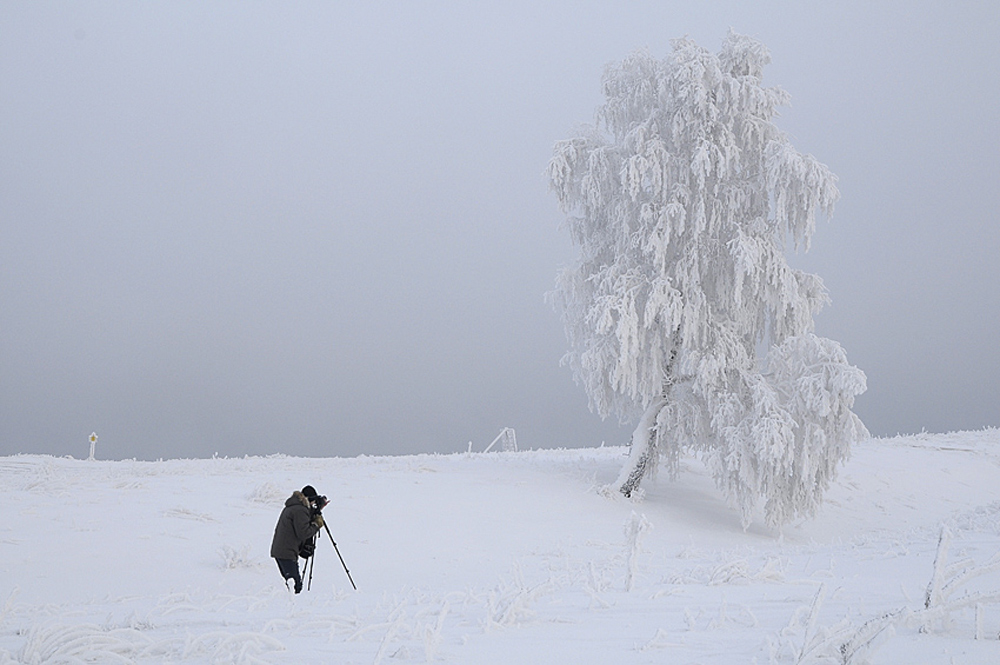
{"x": 507, "y": 438}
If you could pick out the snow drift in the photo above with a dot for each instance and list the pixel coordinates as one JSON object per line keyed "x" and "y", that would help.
{"x": 500, "y": 558}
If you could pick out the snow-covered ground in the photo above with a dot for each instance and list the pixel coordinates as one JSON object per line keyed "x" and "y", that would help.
{"x": 500, "y": 558}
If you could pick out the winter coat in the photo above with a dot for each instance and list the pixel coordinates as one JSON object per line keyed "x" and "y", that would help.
{"x": 295, "y": 526}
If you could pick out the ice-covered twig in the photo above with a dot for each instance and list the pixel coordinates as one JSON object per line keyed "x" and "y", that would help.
{"x": 389, "y": 634}
{"x": 661, "y": 640}
{"x": 807, "y": 637}
{"x": 635, "y": 528}
{"x": 432, "y": 633}
{"x": 933, "y": 595}
{"x": 870, "y": 635}
{"x": 851, "y": 646}
{"x": 8, "y": 604}
{"x": 947, "y": 579}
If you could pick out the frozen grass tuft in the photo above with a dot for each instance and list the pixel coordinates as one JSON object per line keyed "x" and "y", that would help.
{"x": 233, "y": 558}
{"x": 267, "y": 493}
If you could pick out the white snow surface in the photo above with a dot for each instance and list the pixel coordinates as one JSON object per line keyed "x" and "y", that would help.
{"x": 509, "y": 557}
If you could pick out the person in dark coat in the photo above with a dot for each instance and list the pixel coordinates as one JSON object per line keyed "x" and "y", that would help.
{"x": 296, "y": 525}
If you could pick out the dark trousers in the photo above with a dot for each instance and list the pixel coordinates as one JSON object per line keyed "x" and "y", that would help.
{"x": 290, "y": 570}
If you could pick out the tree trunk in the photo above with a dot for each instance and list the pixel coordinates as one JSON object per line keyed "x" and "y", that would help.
{"x": 643, "y": 450}
{"x": 644, "y": 456}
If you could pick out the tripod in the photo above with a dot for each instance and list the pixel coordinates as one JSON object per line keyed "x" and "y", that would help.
{"x": 311, "y": 561}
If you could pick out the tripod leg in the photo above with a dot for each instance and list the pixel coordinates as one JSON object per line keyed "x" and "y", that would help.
{"x": 311, "y": 564}
{"x": 337, "y": 550}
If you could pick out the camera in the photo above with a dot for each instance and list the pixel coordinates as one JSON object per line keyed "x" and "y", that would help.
{"x": 318, "y": 504}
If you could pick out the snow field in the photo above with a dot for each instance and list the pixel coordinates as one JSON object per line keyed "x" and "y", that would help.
{"x": 500, "y": 558}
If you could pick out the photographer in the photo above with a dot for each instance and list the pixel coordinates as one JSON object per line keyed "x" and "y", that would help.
{"x": 298, "y": 523}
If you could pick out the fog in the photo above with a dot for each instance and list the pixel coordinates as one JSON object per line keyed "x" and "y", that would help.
{"x": 324, "y": 229}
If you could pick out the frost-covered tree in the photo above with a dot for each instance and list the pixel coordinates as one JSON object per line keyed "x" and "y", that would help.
{"x": 682, "y": 310}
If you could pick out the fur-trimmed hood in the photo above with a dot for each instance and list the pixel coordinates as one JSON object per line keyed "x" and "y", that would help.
{"x": 297, "y": 497}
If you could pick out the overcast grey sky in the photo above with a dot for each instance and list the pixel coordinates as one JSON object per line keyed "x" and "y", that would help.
{"x": 323, "y": 228}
